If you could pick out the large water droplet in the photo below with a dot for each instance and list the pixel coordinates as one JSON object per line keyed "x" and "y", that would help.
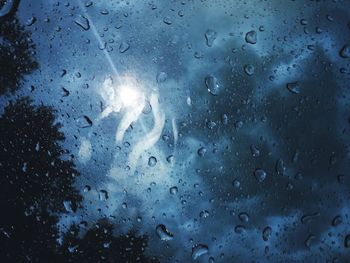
{"x": 123, "y": 47}
{"x": 199, "y": 250}
{"x": 84, "y": 122}
{"x": 82, "y": 22}
{"x": 294, "y": 87}
{"x": 152, "y": 161}
{"x": 163, "y": 233}
{"x": 103, "y": 195}
{"x": 266, "y": 234}
{"x": 210, "y": 36}
{"x": 212, "y": 85}
{"x": 251, "y": 37}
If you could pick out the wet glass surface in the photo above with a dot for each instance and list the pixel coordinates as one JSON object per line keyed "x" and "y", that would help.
{"x": 174, "y": 131}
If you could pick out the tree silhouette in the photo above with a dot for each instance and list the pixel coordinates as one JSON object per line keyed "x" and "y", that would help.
{"x": 100, "y": 245}
{"x": 34, "y": 182}
{"x": 16, "y": 54}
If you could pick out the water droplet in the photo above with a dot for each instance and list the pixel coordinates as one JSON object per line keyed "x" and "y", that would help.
{"x": 163, "y": 233}
{"x": 337, "y": 220}
{"x": 170, "y": 159}
{"x": 82, "y": 21}
{"x": 345, "y": 51}
{"x": 251, "y": 37}
{"x": 210, "y": 36}
{"x": 244, "y": 217}
{"x": 68, "y": 206}
{"x": 266, "y": 234}
{"x": 162, "y": 77}
{"x": 123, "y": 47}
{"x": 87, "y": 188}
{"x": 309, "y": 240}
{"x": 124, "y": 205}
{"x": 347, "y": 241}
{"x": 31, "y": 21}
{"x": 236, "y": 183}
{"x": 249, "y": 69}
{"x": 240, "y": 229}
{"x": 280, "y": 167}
{"x": 224, "y": 119}
{"x": 212, "y": 85}
{"x": 167, "y": 20}
{"x": 152, "y": 161}
{"x": 173, "y": 190}
{"x": 204, "y": 214}
{"x": 260, "y": 175}
{"x": 103, "y": 195}
{"x": 308, "y": 217}
{"x": 294, "y": 87}
{"x": 199, "y": 250}
{"x": 202, "y": 151}
{"x": 254, "y": 150}
{"x": 84, "y": 122}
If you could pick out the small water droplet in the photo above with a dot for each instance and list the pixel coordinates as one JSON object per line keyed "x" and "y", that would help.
{"x": 199, "y": 250}
{"x": 345, "y": 51}
{"x": 152, "y": 161}
{"x": 260, "y": 175}
{"x": 202, "y": 151}
{"x": 173, "y": 190}
{"x": 167, "y": 20}
{"x": 249, "y": 69}
{"x": 162, "y": 77}
{"x": 163, "y": 233}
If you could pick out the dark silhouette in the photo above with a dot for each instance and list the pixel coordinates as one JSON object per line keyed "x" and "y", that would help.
{"x": 34, "y": 183}
{"x": 100, "y": 245}
{"x": 16, "y": 54}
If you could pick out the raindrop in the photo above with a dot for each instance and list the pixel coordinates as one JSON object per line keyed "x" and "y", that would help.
{"x": 345, "y": 51}
{"x": 123, "y": 47}
{"x": 308, "y": 217}
{"x": 8, "y": 7}
{"x": 210, "y": 36}
{"x": 167, "y": 20}
{"x": 124, "y": 205}
{"x": 347, "y": 241}
{"x": 163, "y": 233}
{"x": 212, "y": 85}
{"x": 87, "y": 188}
{"x": 240, "y": 229}
{"x": 170, "y": 159}
{"x": 244, "y": 217}
{"x": 236, "y": 183}
{"x": 266, "y": 234}
{"x": 260, "y": 175}
{"x": 173, "y": 190}
{"x": 152, "y": 161}
{"x": 162, "y": 77}
{"x": 251, "y": 37}
{"x": 204, "y": 214}
{"x": 68, "y": 206}
{"x": 31, "y": 21}
{"x": 202, "y": 151}
{"x": 280, "y": 167}
{"x": 82, "y": 21}
{"x": 254, "y": 150}
{"x": 224, "y": 119}
{"x": 309, "y": 240}
{"x": 84, "y": 122}
{"x": 199, "y": 250}
{"x": 103, "y": 195}
{"x": 337, "y": 220}
{"x": 294, "y": 87}
{"x": 249, "y": 69}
